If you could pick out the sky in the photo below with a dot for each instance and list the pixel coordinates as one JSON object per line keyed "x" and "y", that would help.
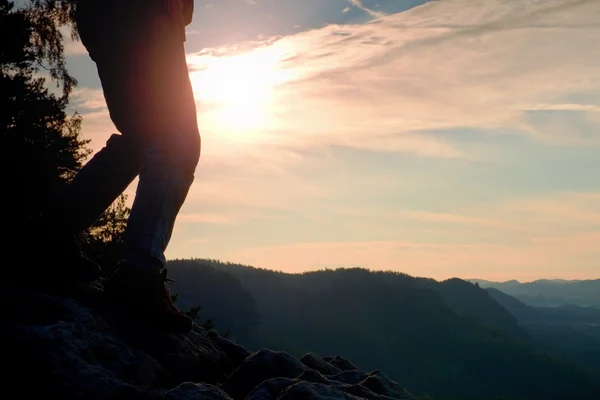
{"x": 449, "y": 138}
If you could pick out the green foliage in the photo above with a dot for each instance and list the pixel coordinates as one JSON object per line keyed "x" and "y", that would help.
{"x": 48, "y": 18}
{"x": 105, "y": 236}
{"x": 193, "y": 312}
{"x": 110, "y": 227}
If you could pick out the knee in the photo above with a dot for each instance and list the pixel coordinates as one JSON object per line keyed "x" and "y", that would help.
{"x": 187, "y": 155}
{"x": 192, "y": 156}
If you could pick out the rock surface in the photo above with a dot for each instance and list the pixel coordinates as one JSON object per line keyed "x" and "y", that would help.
{"x": 68, "y": 342}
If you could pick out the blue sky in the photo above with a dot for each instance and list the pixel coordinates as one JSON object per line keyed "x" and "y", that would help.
{"x": 441, "y": 139}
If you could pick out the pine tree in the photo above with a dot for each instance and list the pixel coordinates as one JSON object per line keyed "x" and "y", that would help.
{"x": 40, "y": 145}
{"x": 105, "y": 237}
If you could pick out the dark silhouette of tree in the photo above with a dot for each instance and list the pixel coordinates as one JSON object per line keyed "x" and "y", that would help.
{"x": 105, "y": 237}
{"x": 47, "y": 19}
{"x": 109, "y": 228}
{"x": 40, "y": 145}
{"x": 41, "y": 148}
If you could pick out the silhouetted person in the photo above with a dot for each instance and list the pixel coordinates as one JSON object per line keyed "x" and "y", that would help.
{"x": 138, "y": 48}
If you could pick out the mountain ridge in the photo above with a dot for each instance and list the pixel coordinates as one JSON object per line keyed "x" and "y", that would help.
{"x": 549, "y": 292}
{"x": 405, "y": 325}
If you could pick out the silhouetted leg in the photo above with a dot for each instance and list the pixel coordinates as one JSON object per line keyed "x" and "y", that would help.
{"x": 101, "y": 180}
{"x": 170, "y": 156}
{"x": 163, "y": 186}
{"x": 142, "y": 65}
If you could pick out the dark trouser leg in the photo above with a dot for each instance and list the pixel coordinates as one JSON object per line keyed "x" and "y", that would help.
{"x": 142, "y": 66}
{"x": 101, "y": 180}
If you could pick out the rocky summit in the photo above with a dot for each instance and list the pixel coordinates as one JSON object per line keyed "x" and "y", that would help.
{"x": 69, "y": 342}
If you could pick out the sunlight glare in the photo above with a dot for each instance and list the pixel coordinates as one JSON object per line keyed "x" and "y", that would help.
{"x": 237, "y": 92}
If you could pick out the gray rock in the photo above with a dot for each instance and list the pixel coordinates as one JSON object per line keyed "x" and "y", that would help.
{"x": 340, "y": 363}
{"x": 270, "y": 389}
{"x": 190, "y": 357}
{"x": 350, "y": 377}
{"x": 314, "y": 362}
{"x": 312, "y": 375}
{"x": 75, "y": 347}
{"x": 378, "y": 382}
{"x": 260, "y": 366}
{"x": 77, "y": 354}
{"x": 236, "y": 353}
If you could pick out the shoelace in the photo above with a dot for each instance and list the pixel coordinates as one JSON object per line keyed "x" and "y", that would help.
{"x": 167, "y": 280}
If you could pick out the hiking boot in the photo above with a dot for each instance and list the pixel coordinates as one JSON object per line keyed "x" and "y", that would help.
{"x": 146, "y": 297}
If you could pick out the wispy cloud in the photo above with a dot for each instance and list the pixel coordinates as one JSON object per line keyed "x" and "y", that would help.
{"x": 533, "y": 237}
{"x": 87, "y": 100}
{"x": 358, "y": 4}
{"x": 487, "y": 66}
{"x": 557, "y": 215}
{"x": 451, "y": 64}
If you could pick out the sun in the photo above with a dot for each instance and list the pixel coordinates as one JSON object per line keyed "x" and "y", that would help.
{"x": 237, "y": 93}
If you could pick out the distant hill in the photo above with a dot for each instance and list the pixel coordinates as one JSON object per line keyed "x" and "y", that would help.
{"x": 469, "y": 300}
{"x": 447, "y": 339}
{"x": 550, "y": 292}
{"x": 571, "y": 331}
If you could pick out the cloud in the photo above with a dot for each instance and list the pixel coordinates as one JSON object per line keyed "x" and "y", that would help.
{"x": 358, "y": 4}
{"x": 86, "y": 100}
{"x": 254, "y": 191}
{"x": 72, "y": 48}
{"x": 561, "y": 214}
{"x": 524, "y": 218}
{"x": 97, "y": 125}
{"x": 444, "y": 65}
{"x": 577, "y": 125}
